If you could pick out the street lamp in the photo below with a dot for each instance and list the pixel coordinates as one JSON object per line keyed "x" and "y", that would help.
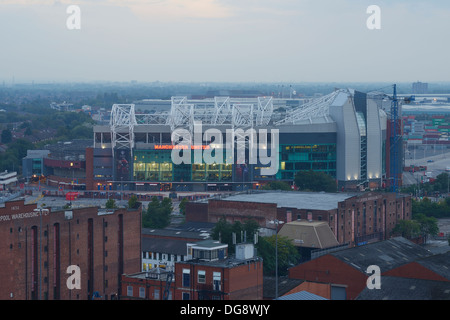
{"x": 276, "y": 222}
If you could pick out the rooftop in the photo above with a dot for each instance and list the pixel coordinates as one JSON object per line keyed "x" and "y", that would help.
{"x": 439, "y": 263}
{"x": 199, "y": 233}
{"x": 397, "y": 288}
{"x": 314, "y": 234}
{"x": 285, "y": 284}
{"x": 302, "y": 295}
{"x": 387, "y": 254}
{"x": 170, "y": 246}
{"x": 209, "y": 244}
{"x": 153, "y": 274}
{"x": 291, "y": 199}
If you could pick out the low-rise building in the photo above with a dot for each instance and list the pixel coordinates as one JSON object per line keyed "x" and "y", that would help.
{"x": 207, "y": 274}
{"x": 7, "y": 179}
{"x": 347, "y": 270}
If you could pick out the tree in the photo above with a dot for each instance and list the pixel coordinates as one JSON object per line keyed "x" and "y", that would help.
{"x": 428, "y": 225}
{"x": 157, "y": 214}
{"x": 110, "y": 204}
{"x": 28, "y": 131}
{"x": 315, "y": 181}
{"x": 408, "y": 229}
{"x": 441, "y": 184}
{"x": 133, "y": 202}
{"x": 182, "y": 205}
{"x": 277, "y": 185}
{"x": 6, "y": 136}
{"x": 288, "y": 254}
{"x": 243, "y": 232}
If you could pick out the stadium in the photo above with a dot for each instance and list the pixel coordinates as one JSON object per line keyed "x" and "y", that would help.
{"x": 344, "y": 134}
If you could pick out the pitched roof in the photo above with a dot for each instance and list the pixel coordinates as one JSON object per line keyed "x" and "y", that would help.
{"x": 439, "y": 263}
{"x": 310, "y": 234}
{"x": 302, "y": 295}
{"x": 285, "y": 285}
{"x": 397, "y": 288}
{"x": 387, "y": 254}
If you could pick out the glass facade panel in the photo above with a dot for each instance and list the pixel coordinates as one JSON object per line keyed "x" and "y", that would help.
{"x": 156, "y": 165}
{"x": 317, "y": 157}
{"x": 199, "y": 172}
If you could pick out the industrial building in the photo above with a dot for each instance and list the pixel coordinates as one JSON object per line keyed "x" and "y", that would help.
{"x": 407, "y": 270}
{"x": 354, "y": 218}
{"x": 345, "y": 134}
{"x": 42, "y": 249}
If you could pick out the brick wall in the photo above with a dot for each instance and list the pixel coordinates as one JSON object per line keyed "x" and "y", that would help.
{"x": 242, "y": 282}
{"x": 330, "y": 270}
{"x": 241, "y": 211}
{"x": 55, "y": 253}
{"x": 196, "y": 212}
{"x": 415, "y": 270}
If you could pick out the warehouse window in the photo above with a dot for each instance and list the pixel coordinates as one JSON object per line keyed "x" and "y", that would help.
{"x": 201, "y": 276}
{"x": 217, "y": 281}
{"x": 129, "y": 291}
{"x": 141, "y": 292}
{"x": 186, "y": 278}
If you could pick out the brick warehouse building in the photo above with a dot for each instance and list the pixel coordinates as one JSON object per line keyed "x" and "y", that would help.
{"x": 103, "y": 244}
{"x": 353, "y": 218}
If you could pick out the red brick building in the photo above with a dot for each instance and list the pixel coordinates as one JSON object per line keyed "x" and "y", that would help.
{"x": 150, "y": 285}
{"x": 208, "y": 274}
{"x": 353, "y": 218}
{"x": 346, "y": 270}
{"x": 38, "y": 246}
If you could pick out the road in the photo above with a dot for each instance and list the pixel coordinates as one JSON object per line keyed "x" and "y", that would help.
{"x": 436, "y": 161}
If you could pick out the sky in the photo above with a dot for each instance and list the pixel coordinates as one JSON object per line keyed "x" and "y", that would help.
{"x": 224, "y": 41}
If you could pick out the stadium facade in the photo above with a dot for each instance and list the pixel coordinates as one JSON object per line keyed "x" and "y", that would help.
{"x": 344, "y": 134}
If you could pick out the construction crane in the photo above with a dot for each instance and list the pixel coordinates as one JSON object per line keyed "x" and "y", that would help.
{"x": 395, "y": 137}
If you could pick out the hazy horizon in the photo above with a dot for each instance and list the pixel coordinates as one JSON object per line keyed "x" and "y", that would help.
{"x": 220, "y": 41}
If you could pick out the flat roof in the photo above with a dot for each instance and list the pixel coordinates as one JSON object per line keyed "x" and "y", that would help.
{"x": 292, "y": 199}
